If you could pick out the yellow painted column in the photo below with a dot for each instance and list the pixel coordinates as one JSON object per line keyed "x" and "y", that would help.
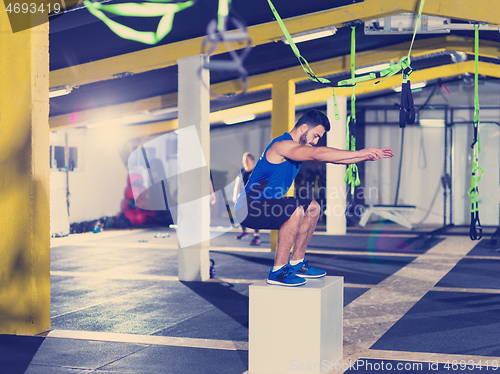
{"x": 24, "y": 178}
{"x": 282, "y": 120}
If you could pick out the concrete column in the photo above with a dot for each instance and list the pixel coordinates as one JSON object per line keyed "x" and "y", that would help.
{"x": 336, "y": 187}
{"x": 24, "y": 181}
{"x": 282, "y": 120}
{"x": 193, "y": 165}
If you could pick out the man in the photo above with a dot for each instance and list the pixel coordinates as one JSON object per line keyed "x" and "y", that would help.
{"x": 261, "y": 204}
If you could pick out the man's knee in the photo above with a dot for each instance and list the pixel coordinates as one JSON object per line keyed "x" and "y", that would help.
{"x": 313, "y": 210}
{"x": 299, "y": 213}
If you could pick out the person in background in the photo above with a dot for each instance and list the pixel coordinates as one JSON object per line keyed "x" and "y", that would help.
{"x": 242, "y": 179}
{"x": 213, "y": 198}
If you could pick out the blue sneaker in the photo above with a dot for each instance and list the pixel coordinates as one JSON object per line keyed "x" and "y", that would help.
{"x": 305, "y": 270}
{"x": 285, "y": 277}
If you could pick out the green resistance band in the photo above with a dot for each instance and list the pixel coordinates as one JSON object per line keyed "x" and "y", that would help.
{"x": 475, "y": 231}
{"x": 353, "y": 70}
{"x": 223, "y": 13}
{"x": 303, "y": 62}
{"x": 393, "y": 68}
{"x": 352, "y": 174}
{"x": 404, "y": 65}
{"x": 154, "y": 9}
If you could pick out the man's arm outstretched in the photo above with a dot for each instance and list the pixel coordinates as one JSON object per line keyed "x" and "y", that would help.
{"x": 293, "y": 151}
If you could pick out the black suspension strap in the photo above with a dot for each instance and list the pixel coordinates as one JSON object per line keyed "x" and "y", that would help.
{"x": 407, "y": 108}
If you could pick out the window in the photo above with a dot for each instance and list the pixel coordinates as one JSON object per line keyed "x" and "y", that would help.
{"x": 171, "y": 146}
{"x": 57, "y": 158}
{"x": 73, "y": 158}
{"x": 136, "y": 158}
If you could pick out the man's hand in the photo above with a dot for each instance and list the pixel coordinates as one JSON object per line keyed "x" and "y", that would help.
{"x": 373, "y": 154}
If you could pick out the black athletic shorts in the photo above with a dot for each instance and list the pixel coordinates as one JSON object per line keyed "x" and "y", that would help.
{"x": 269, "y": 213}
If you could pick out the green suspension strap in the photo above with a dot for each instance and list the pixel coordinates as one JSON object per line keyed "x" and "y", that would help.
{"x": 156, "y": 8}
{"x": 352, "y": 175}
{"x": 216, "y": 31}
{"x": 475, "y": 232}
{"x": 407, "y": 110}
{"x": 222, "y": 15}
{"x": 402, "y": 65}
{"x": 303, "y": 62}
{"x": 393, "y": 69}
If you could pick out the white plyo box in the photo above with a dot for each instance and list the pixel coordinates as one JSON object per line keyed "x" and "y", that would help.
{"x": 296, "y": 329}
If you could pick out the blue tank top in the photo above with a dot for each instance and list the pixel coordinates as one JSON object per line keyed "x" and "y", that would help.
{"x": 268, "y": 180}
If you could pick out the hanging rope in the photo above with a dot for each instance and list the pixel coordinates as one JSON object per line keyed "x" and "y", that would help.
{"x": 476, "y": 231}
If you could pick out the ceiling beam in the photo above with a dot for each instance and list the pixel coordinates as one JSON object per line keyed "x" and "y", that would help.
{"x": 296, "y": 74}
{"x": 444, "y": 71}
{"x": 139, "y": 131}
{"x": 85, "y": 117}
{"x": 392, "y": 53}
{"x": 167, "y": 55}
{"x": 321, "y": 95}
{"x": 477, "y": 10}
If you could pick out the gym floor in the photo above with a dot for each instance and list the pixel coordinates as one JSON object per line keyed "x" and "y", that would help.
{"x": 413, "y": 302}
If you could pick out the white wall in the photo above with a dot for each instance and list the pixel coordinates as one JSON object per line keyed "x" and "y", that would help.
{"x": 424, "y": 154}
{"x": 423, "y": 161}
{"x": 228, "y": 144}
{"x": 59, "y": 220}
{"x": 489, "y": 159}
{"x": 97, "y": 185}
{"x": 421, "y": 171}
{"x": 489, "y": 186}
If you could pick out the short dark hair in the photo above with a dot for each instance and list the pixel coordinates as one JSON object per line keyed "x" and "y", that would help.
{"x": 314, "y": 118}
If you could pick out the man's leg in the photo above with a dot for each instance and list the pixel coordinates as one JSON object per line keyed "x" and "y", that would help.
{"x": 299, "y": 264}
{"x": 287, "y": 236}
{"x": 306, "y": 231}
{"x": 256, "y": 238}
